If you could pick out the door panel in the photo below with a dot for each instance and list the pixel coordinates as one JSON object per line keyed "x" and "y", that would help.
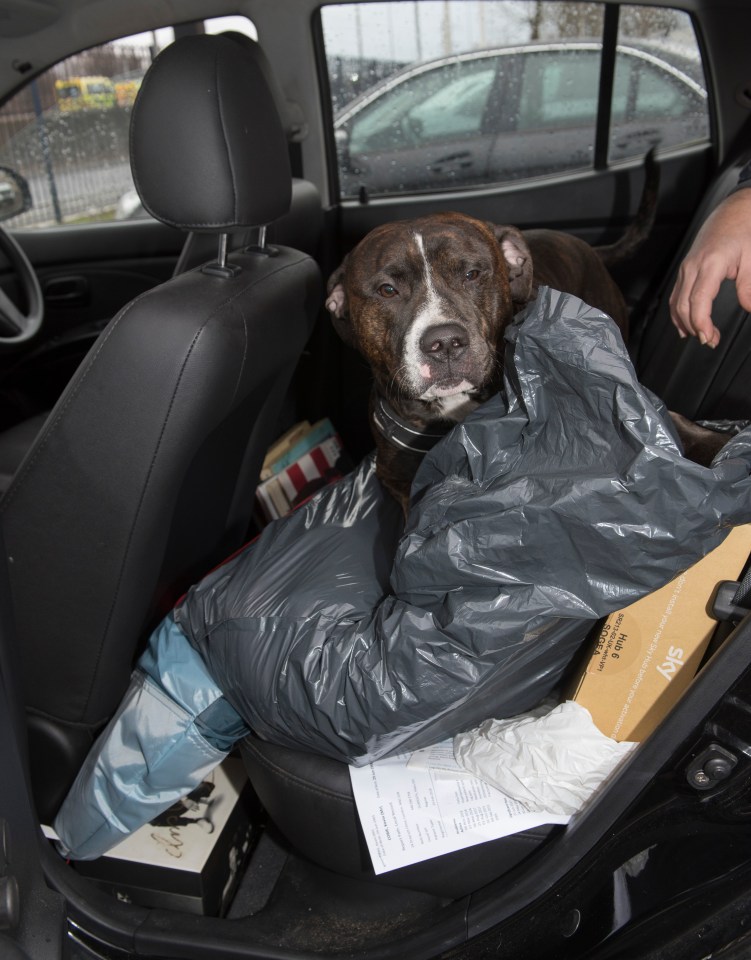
{"x": 32, "y": 916}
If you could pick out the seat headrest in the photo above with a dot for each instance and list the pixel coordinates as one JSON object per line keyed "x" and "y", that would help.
{"x": 207, "y": 147}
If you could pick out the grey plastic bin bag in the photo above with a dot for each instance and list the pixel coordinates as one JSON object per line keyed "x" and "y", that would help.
{"x": 562, "y": 499}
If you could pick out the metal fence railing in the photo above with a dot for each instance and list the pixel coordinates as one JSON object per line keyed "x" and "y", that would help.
{"x": 74, "y": 151}
{"x": 76, "y": 164}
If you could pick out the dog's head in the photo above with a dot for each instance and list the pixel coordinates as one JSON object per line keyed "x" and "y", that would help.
{"x": 426, "y": 302}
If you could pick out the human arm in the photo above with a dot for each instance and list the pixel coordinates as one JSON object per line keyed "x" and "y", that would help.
{"x": 720, "y": 251}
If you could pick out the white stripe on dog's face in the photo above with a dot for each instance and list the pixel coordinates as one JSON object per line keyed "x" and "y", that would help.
{"x": 432, "y": 312}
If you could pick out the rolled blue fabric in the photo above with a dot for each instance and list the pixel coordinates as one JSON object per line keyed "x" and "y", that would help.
{"x": 172, "y": 728}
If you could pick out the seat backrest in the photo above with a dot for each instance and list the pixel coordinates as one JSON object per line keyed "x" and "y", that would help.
{"x": 143, "y": 476}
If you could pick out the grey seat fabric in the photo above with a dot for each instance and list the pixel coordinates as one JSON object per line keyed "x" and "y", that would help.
{"x": 143, "y": 475}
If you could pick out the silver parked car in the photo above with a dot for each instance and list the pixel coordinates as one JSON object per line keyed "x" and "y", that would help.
{"x": 512, "y": 112}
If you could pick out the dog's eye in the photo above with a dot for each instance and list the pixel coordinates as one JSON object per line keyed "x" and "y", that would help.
{"x": 386, "y": 290}
{"x": 471, "y": 275}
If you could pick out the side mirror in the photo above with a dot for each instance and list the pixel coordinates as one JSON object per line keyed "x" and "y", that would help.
{"x": 15, "y": 196}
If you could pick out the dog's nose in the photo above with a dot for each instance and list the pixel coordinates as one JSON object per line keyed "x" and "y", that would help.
{"x": 445, "y": 341}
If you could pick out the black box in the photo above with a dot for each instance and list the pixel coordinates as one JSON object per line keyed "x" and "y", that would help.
{"x": 190, "y": 858}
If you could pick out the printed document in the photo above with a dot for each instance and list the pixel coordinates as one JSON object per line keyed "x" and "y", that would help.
{"x": 420, "y": 805}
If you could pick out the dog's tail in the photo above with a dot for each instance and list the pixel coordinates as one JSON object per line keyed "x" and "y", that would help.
{"x": 641, "y": 225}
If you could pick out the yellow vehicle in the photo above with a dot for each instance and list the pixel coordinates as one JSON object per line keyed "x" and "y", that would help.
{"x": 85, "y": 93}
{"x": 125, "y": 91}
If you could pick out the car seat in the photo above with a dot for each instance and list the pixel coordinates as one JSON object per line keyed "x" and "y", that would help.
{"x": 310, "y": 798}
{"x": 143, "y": 476}
{"x": 300, "y": 226}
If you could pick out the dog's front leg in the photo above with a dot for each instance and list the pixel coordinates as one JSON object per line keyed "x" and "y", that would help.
{"x": 699, "y": 443}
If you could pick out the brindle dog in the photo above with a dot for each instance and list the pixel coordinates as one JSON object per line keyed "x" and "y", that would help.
{"x": 427, "y": 302}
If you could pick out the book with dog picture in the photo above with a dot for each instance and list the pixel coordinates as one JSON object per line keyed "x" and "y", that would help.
{"x": 190, "y": 857}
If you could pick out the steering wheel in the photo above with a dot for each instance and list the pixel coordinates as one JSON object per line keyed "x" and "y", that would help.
{"x": 17, "y": 327}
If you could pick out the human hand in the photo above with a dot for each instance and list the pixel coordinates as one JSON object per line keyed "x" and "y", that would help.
{"x": 720, "y": 251}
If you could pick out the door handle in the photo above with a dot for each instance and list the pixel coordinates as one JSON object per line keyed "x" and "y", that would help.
{"x": 454, "y": 161}
{"x": 70, "y": 291}
{"x": 649, "y": 134}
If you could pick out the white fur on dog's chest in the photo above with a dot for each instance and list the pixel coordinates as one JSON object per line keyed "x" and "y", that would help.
{"x": 456, "y": 407}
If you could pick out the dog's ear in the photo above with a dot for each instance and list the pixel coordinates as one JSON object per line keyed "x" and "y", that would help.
{"x": 519, "y": 261}
{"x": 336, "y": 302}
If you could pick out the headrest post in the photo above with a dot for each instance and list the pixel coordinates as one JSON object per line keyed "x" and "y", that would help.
{"x": 222, "y": 254}
{"x": 261, "y": 246}
{"x": 220, "y": 267}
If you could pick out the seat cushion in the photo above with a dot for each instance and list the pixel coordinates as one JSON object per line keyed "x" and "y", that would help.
{"x": 310, "y": 800}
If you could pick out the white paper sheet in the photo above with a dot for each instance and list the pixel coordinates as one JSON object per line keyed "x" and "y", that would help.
{"x": 416, "y": 806}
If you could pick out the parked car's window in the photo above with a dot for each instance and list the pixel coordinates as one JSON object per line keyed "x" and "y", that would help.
{"x": 435, "y": 105}
{"x": 67, "y": 130}
{"x": 435, "y": 95}
{"x": 558, "y": 88}
{"x": 659, "y": 81}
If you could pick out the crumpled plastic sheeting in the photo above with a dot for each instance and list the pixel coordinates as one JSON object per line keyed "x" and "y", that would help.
{"x": 559, "y": 501}
{"x": 552, "y": 760}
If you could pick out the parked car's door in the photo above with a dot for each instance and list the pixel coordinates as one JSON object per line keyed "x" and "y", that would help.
{"x": 427, "y": 129}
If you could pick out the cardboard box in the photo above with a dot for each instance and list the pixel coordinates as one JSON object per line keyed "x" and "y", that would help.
{"x": 189, "y": 859}
{"x": 646, "y": 654}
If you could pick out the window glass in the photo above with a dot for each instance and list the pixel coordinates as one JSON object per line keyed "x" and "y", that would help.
{"x": 437, "y": 104}
{"x": 559, "y": 88}
{"x": 456, "y": 108}
{"x": 435, "y": 95}
{"x": 67, "y": 131}
{"x": 660, "y": 92}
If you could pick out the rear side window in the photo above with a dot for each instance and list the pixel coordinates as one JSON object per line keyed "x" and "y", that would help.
{"x": 434, "y": 95}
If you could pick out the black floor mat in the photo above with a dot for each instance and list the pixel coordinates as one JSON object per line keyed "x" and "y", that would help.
{"x": 297, "y": 905}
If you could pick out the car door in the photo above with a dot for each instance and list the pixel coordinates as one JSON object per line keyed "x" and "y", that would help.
{"x": 70, "y": 142}
{"x": 32, "y": 916}
{"x": 549, "y": 113}
{"x": 569, "y": 132}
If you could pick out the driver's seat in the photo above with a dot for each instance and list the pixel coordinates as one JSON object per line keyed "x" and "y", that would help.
{"x": 144, "y": 473}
